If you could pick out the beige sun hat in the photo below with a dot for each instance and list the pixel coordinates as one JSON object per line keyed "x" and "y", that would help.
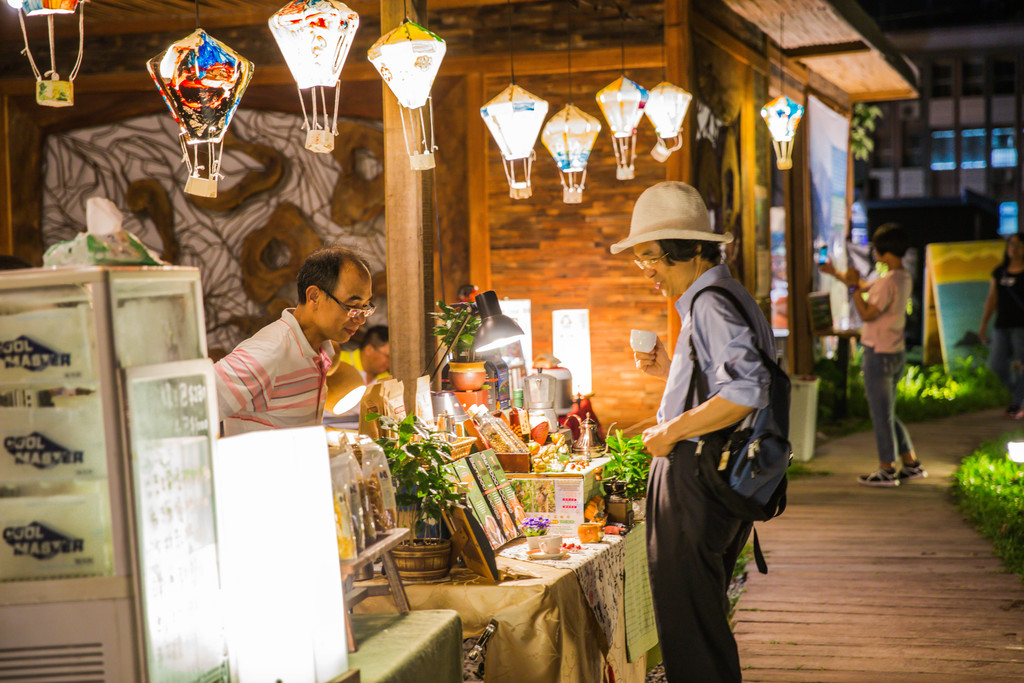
{"x": 669, "y": 211}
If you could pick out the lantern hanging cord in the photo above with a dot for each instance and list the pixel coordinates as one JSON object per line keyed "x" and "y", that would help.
{"x": 197, "y": 13}
{"x": 568, "y": 52}
{"x": 52, "y": 73}
{"x": 81, "y": 41}
{"x": 782, "y": 77}
{"x": 511, "y": 55}
{"x": 622, "y": 39}
{"x": 27, "y": 51}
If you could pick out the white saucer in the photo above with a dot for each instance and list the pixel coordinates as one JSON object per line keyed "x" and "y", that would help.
{"x": 547, "y": 556}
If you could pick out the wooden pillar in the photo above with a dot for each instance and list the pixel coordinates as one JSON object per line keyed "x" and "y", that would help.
{"x": 476, "y": 165}
{"x": 408, "y": 220}
{"x": 797, "y": 201}
{"x": 678, "y": 70}
{"x": 6, "y": 230}
{"x": 749, "y": 118}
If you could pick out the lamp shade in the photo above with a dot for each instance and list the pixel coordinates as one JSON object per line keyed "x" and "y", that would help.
{"x": 408, "y": 58}
{"x": 514, "y": 118}
{"x": 496, "y": 329}
{"x": 666, "y": 108}
{"x": 202, "y": 81}
{"x": 622, "y": 102}
{"x": 345, "y": 387}
{"x": 569, "y": 136}
{"x": 315, "y": 37}
{"x": 782, "y": 115}
{"x": 33, "y": 8}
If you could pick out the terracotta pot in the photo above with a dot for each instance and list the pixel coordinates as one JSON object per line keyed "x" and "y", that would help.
{"x": 423, "y": 559}
{"x": 467, "y": 376}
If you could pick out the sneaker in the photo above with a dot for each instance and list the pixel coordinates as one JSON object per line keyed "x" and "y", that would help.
{"x": 908, "y": 472}
{"x": 881, "y": 478}
{"x": 1011, "y": 412}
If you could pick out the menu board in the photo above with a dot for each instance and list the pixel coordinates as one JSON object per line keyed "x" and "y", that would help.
{"x": 172, "y": 425}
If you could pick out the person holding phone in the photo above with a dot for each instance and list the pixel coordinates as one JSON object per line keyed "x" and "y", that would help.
{"x": 884, "y": 312}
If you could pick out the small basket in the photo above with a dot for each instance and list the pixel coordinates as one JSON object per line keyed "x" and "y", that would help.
{"x": 462, "y": 446}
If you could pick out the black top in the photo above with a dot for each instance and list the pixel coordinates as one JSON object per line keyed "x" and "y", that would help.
{"x": 1010, "y": 301}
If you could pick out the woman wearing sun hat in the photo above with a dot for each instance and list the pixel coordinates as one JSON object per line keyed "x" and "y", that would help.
{"x": 692, "y": 541}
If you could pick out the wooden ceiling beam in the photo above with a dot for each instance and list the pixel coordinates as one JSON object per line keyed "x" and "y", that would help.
{"x": 537, "y": 63}
{"x": 828, "y": 50}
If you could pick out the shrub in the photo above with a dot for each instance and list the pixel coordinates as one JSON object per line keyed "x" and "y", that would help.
{"x": 989, "y": 490}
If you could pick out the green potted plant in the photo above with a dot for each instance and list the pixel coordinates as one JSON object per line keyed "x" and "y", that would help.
{"x": 457, "y": 326}
{"x": 424, "y": 490}
{"x": 629, "y": 466}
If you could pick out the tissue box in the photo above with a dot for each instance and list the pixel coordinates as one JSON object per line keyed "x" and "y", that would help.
{"x": 558, "y": 496}
{"x": 46, "y": 537}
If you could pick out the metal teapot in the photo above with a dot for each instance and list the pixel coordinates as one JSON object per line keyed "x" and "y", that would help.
{"x": 590, "y": 443}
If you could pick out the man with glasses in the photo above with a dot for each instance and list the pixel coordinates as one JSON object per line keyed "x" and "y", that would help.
{"x": 277, "y": 378}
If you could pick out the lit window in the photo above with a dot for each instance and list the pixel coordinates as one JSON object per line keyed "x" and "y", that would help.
{"x": 973, "y": 148}
{"x": 1004, "y": 154}
{"x": 1008, "y": 218}
{"x": 943, "y": 150}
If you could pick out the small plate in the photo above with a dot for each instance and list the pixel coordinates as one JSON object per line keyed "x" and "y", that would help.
{"x": 547, "y": 556}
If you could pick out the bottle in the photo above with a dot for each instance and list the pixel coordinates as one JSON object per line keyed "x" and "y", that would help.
{"x": 517, "y": 398}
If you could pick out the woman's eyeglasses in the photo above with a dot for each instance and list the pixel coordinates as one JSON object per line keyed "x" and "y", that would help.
{"x": 645, "y": 263}
{"x": 353, "y": 311}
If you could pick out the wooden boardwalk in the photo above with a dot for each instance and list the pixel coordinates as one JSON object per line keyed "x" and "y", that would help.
{"x": 876, "y": 585}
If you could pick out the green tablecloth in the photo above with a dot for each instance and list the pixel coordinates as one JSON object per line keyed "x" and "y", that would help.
{"x": 423, "y": 646}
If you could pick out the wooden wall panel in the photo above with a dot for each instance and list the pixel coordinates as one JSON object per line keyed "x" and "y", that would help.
{"x": 557, "y": 254}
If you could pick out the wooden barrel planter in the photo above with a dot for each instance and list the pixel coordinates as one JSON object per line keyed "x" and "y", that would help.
{"x": 423, "y": 559}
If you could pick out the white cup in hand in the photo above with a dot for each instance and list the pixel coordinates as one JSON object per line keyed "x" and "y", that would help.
{"x": 642, "y": 341}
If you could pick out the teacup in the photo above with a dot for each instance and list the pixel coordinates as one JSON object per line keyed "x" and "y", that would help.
{"x": 642, "y": 341}
{"x": 551, "y": 545}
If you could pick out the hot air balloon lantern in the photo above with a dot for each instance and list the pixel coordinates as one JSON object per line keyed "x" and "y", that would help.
{"x": 202, "y": 80}
{"x": 514, "y": 118}
{"x": 408, "y": 58}
{"x": 782, "y": 116}
{"x": 51, "y": 91}
{"x": 666, "y": 109}
{"x": 569, "y": 136}
{"x": 315, "y": 37}
{"x": 622, "y": 102}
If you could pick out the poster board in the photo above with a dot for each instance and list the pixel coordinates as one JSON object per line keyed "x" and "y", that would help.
{"x": 172, "y": 426}
{"x": 957, "y": 276}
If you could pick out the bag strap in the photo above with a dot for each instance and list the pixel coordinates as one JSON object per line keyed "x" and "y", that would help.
{"x": 762, "y": 566}
{"x": 698, "y": 382}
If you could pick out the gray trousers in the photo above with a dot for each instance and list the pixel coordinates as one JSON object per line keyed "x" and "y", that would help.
{"x": 692, "y": 546}
{"x": 882, "y": 372}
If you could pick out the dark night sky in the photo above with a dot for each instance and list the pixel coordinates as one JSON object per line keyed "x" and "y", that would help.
{"x": 900, "y": 15}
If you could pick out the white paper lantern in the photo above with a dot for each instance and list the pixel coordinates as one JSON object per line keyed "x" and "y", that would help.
{"x": 666, "y": 108}
{"x": 514, "y": 118}
{"x": 782, "y": 115}
{"x": 408, "y": 58}
{"x": 569, "y": 136}
{"x": 315, "y": 37}
{"x": 622, "y": 103}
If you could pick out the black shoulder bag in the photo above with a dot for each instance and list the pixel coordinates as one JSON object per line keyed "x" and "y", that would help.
{"x": 744, "y": 465}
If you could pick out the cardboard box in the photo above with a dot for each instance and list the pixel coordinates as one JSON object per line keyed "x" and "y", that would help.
{"x": 558, "y": 496}
{"x": 48, "y": 444}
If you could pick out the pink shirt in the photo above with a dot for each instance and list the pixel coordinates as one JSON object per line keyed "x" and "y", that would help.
{"x": 889, "y": 294}
{"x": 273, "y": 380}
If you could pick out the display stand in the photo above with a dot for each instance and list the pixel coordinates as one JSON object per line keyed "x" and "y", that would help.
{"x": 354, "y": 594}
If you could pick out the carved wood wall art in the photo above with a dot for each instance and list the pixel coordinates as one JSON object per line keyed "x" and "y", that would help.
{"x": 359, "y": 193}
{"x": 252, "y": 183}
{"x": 148, "y": 198}
{"x": 272, "y": 255}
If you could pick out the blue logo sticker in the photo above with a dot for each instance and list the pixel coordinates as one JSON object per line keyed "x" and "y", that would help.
{"x": 40, "y": 452}
{"x": 40, "y": 541}
{"x": 31, "y": 355}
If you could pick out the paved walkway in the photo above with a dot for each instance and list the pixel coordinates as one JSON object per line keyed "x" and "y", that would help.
{"x": 877, "y": 585}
